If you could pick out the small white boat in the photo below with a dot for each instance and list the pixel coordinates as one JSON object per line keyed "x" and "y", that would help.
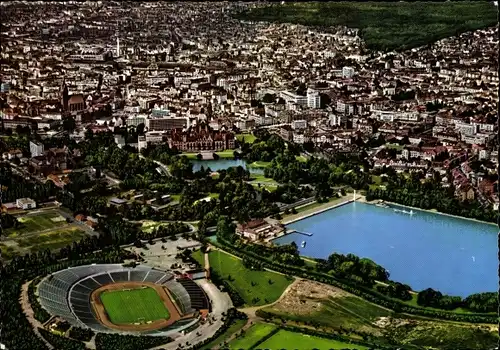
{"x": 411, "y": 212}
{"x": 303, "y": 244}
{"x": 474, "y": 259}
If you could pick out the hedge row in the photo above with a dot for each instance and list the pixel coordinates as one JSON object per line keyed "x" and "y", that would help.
{"x": 359, "y": 290}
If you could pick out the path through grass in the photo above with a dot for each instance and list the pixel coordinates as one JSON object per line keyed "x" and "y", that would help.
{"x": 255, "y": 287}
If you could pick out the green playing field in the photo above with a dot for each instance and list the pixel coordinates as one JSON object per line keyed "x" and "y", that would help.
{"x": 134, "y": 305}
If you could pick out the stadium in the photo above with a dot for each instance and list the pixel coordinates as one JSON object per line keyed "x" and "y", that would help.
{"x": 112, "y": 298}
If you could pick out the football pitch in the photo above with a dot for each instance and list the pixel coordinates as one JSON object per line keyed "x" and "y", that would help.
{"x": 134, "y": 306}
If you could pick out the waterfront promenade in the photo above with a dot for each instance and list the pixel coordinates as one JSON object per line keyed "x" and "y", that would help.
{"x": 318, "y": 208}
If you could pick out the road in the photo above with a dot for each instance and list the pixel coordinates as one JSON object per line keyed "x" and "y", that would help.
{"x": 28, "y": 311}
{"x": 220, "y": 303}
{"x": 161, "y": 165}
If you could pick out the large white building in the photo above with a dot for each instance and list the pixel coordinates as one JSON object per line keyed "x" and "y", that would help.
{"x": 348, "y": 72}
{"x": 36, "y": 149}
{"x": 290, "y": 97}
{"x": 313, "y": 99}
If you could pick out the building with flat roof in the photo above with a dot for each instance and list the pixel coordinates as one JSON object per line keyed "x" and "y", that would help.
{"x": 25, "y": 203}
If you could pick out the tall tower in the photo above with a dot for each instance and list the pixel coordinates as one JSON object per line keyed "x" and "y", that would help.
{"x": 117, "y": 46}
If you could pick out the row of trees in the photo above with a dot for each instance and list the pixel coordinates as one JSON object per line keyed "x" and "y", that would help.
{"x": 81, "y": 334}
{"x": 350, "y": 266}
{"x": 60, "y": 342}
{"x": 395, "y": 290}
{"x": 104, "y": 341}
{"x": 430, "y": 195}
{"x": 15, "y": 186}
{"x": 38, "y": 311}
{"x": 479, "y": 302}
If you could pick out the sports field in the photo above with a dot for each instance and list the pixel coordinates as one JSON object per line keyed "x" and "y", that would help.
{"x": 290, "y": 340}
{"x": 252, "y": 336}
{"x": 36, "y": 223}
{"x": 134, "y": 306}
{"x": 283, "y": 339}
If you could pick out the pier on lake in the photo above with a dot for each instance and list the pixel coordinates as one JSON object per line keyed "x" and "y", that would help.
{"x": 300, "y": 232}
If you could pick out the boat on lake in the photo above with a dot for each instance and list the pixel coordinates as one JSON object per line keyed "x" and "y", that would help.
{"x": 404, "y": 211}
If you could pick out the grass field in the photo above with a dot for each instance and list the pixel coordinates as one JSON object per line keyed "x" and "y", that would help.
{"x": 136, "y": 305}
{"x": 216, "y": 343}
{"x": 35, "y": 223}
{"x": 290, "y": 340}
{"x": 252, "y": 335}
{"x": 385, "y": 25}
{"x": 260, "y": 164}
{"x": 247, "y": 138}
{"x": 267, "y": 183}
{"x": 301, "y": 159}
{"x": 241, "y": 278}
{"x": 51, "y": 240}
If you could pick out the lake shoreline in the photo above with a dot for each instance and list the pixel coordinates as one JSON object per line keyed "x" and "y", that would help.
{"x": 316, "y": 211}
{"x": 436, "y": 212}
{"x": 362, "y": 199}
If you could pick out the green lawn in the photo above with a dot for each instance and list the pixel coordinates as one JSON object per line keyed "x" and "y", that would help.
{"x": 35, "y": 223}
{"x": 175, "y": 197}
{"x": 217, "y": 342}
{"x": 395, "y": 146}
{"x": 267, "y": 183}
{"x": 247, "y": 138}
{"x": 252, "y": 335}
{"x": 51, "y": 240}
{"x": 290, "y": 340}
{"x": 385, "y": 25}
{"x": 135, "y": 305}
{"x": 260, "y": 164}
{"x": 8, "y": 252}
{"x": 241, "y": 278}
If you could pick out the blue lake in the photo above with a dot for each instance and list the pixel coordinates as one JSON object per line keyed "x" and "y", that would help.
{"x": 220, "y": 164}
{"x": 455, "y": 256}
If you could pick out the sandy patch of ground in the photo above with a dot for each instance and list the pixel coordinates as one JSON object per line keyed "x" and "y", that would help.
{"x": 305, "y": 297}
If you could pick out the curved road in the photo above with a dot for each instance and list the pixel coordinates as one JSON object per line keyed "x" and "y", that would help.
{"x": 220, "y": 304}
{"x": 28, "y": 311}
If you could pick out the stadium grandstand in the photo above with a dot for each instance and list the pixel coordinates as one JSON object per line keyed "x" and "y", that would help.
{"x": 67, "y": 293}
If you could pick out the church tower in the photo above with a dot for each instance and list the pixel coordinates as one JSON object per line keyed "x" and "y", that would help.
{"x": 64, "y": 96}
